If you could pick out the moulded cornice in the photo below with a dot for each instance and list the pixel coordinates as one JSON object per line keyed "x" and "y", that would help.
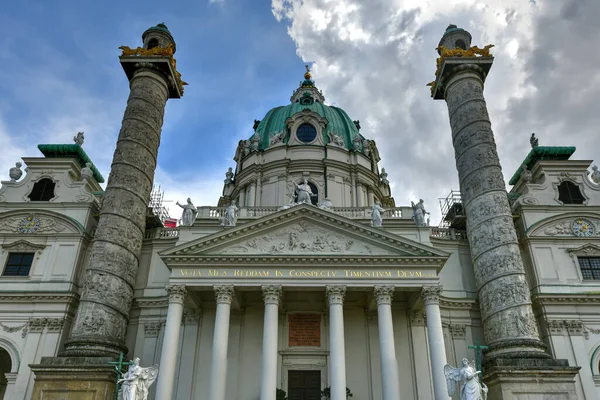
{"x": 38, "y": 297}
{"x": 563, "y": 299}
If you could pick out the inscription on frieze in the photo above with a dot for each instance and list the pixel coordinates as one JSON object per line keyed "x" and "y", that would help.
{"x": 304, "y": 330}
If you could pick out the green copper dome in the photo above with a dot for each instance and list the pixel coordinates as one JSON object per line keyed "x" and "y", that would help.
{"x": 307, "y": 97}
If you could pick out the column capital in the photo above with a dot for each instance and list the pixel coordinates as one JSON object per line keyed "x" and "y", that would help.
{"x": 271, "y": 294}
{"x": 336, "y": 293}
{"x": 384, "y": 294}
{"x": 431, "y": 294}
{"x": 176, "y": 293}
{"x": 223, "y": 294}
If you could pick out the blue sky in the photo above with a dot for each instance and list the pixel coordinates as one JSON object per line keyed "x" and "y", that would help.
{"x": 59, "y": 74}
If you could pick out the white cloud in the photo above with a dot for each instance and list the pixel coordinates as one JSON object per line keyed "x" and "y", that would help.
{"x": 373, "y": 58}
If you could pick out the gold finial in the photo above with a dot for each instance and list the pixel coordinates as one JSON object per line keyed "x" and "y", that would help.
{"x": 307, "y": 74}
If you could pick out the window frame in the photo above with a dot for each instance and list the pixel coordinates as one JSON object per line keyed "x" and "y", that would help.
{"x": 20, "y": 246}
{"x": 22, "y": 253}
{"x": 586, "y": 251}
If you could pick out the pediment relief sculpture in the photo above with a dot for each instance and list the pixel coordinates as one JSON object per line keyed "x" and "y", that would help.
{"x": 573, "y": 226}
{"x": 588, "y": 250}
{"x": 34, "y": 224}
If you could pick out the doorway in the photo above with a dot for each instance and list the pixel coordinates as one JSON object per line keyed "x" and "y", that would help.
{"x": 304, "y": 385}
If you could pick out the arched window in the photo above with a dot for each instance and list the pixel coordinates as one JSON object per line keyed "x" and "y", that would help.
{"x": 43, "y": 190}
{"x": 569, "y": 193}
{"x": 460, "y": 44}
{"x": 5, "y": 368}
{"x": 306, "y": 133}
{"x": 152, "y": 43}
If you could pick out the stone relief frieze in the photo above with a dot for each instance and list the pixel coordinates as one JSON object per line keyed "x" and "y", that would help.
{"x": 519, "y": 322}
{"x": 497, "y": 231}
{"x": 108, "y": 289}
{"x": 572, "y": 327}
{"x": 31, "y": 224}
{"x": 564, "y": 227}
{"x": 497, "y": 262}
{"x": 304, "y": 237}
{"x": 506, "y": 292}
{"x": 152, "y": 328}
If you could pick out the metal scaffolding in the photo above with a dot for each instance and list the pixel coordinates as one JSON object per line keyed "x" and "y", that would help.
{"x": 452, "y": 211}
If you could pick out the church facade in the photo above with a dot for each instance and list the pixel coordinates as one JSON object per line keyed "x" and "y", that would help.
{"x": 305, "y": 277}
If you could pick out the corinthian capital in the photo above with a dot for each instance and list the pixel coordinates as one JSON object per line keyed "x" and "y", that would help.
{"x": 336, "y": 294}
{"x": 271, "y": 294}
{"x": 223, "y": 294}
{"x": 176, "y": 293}
{"x": 431, "y": 294}
{"x": 384, "y": 294}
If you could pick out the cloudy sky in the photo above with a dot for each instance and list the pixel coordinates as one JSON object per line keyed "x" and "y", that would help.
{"x": 59, "y": 74}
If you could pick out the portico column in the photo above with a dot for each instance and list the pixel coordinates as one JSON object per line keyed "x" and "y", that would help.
{"x": 337, "y": 355}
{"x": 170, "y": 347}
{"x": 435, "y": 336}
{"x": 224, "y": 297}
{"x": 271, "y": 295}
{"x": 387, "y": 348}
{"x": 242, "y": 200}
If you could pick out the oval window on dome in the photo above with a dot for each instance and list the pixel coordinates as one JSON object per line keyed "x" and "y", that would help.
{"x": 306, "y": 133}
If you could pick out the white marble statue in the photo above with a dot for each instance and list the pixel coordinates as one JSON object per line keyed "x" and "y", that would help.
{"x": 366, "y": 144}
{"x": 86, "y": 172}
{"x": 79, "y": 138}
{"x": 419, "y": 212}
{"x": 277, "y": 137}
{"x": 15, "y": 172}
{"x": 229, "y": 176}
{"x": 468, "y": 379}
{"x": 526, "y": 174}
{"x": 230, "y": 216}
{"x": 304, "y": 192}
{"x": 336, "y": 139}
{"x": 356, "y": 143}
{"x": 188, "y": 217}
{"x": 376, "y": 211}
{"x": 595, "y": 175}
{"x": 136, "y": 381}
{"x": 326, "y": 204}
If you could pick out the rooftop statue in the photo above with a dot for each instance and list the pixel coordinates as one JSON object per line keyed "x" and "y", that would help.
{"x": 376, "y": 211}
{"x": 79, "y": 138}
{"x": 419, "y": 212}
{"x": 366, "y": 145}
{"x": 229, "y": 176}
{"x": 304, "y": 192}
{"x": 533, "y": 141}
{"x": 336, "y": 139}
{"x": 468, "y": 379}
{"x": 136, "y": 381}
{"x": 595, "y": 175}
{"x": 526, "y": 174}
{"x": 15, "y": 172}
{"x": 356, "y": 143}
{"x": 188, "y": 217}
{"x": 231, "y": 214}
{"x": 86, "y": 172}
{"x": 384, "y": 176}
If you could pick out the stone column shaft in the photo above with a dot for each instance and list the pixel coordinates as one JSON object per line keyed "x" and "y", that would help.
{"x": 435, "y": 336}
{"x": 387, "y": 347}
{"x": 242, "y": 201}
{"x": 170, "y": 347}
{"x": 337, "y": 351}
{"x": 271, "y": 296}
{"x": 103, "y": 312}
{"x": 504, "y": 297}
{"x": 218, "y": 380}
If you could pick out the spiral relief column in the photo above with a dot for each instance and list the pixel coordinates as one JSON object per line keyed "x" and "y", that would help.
{"x": 103, "y": 312}
{"x": 505, "y": 301}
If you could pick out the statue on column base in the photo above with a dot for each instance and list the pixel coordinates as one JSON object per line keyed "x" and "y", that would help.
{"x": 468, "y": 379}
{"x": 136, "y": 381}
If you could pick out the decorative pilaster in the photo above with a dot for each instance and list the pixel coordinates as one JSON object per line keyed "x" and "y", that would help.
{"x": 387, "y": 347}
{"x": 224, "y": 297}
{"x": 431, "y": 298}
{"x": 337, "y": 355}
{"x": 506, "y": 312}
{"x": 170, "y": 347}
{"x": 103, "y": 313}
{"x": 271, "y": 296}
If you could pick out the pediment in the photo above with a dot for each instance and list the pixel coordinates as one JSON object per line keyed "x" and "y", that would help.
{"x": 563, "y": 225}
{"x": 304, "y": 231}
{"x": 587, "y": 250}
{"x": 37, "y": 222}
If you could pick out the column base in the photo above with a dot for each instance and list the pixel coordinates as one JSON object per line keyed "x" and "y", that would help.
{"x": 532, "y": 378}
{"x": 74, "y": 378}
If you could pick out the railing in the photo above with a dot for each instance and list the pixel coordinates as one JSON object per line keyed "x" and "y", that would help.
{"x": 161, "y": 233}
{"x": 448, "y": 233}
{"x": 348, "y": 212}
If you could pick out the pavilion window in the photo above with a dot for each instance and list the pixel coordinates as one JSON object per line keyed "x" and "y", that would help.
{"x": 43, "y": 190}
{"x": 18, "y": 264}
{"x": 569, "y": 193}
{"x": 590, "y": 267}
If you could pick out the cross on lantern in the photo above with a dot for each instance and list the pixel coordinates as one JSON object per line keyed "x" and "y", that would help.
{"x": 119, "y": 368}
{"x": 478, "y": 351}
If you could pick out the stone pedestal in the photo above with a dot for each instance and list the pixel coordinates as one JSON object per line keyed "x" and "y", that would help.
{"x": 74, "y": 378}
{"x": 531, "y": 380}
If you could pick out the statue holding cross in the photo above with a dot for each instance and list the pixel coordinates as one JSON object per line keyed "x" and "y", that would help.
{"x": 135, "y": 382}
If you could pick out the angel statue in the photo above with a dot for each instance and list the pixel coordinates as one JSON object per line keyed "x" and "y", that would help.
{"x": 136, "y": 381}
{"x": 468, "y": 379}
{"x": 304, "y": 192}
